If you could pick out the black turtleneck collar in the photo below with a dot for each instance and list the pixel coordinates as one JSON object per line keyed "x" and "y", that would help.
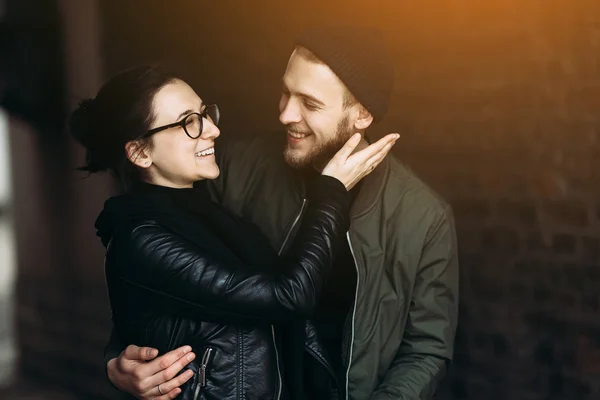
{"x": 145, "y": 200}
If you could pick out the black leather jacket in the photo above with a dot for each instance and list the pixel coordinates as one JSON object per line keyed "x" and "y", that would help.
{"x": 172, "y": 284}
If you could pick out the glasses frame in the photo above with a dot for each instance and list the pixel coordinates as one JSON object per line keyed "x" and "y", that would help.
{"x": 203, "y": 115}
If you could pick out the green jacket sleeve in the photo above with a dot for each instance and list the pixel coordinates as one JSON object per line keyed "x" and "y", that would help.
{"x": 427, "y": 346}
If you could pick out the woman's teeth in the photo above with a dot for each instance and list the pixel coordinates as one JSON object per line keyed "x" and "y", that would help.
{"x": 206, "y": 152}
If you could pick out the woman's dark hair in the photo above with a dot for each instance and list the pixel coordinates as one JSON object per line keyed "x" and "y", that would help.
{"x": 120, "y": 112}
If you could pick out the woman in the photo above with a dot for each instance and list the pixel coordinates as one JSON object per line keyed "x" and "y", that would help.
{"x": 182, "y": 270}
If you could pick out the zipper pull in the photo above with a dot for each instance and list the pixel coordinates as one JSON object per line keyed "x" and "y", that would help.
{"x": 203, "y": 375}
{"x": 205, "y": 360}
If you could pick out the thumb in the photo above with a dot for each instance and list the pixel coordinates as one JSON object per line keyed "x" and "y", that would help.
{"x": 135, "y": 353}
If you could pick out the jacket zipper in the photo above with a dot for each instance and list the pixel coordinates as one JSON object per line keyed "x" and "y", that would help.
{"x": 349, "y": 354}
{"x": 105, "y": 255}
{"x": 240, "y": 377}
{"x": 319, "y": 359}
{"x": 287, "y": 237}
{"x": 326, "y": 365}
{"x": 202, "y": 372}
{"x": 279, "y": 382}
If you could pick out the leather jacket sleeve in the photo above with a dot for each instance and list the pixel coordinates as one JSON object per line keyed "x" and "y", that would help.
{"x": 192, "y": 281}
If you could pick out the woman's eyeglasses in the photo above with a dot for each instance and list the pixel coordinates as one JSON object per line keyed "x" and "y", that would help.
{"x": 192, "y": 124}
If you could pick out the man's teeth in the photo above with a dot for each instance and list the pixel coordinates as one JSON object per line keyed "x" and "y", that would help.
{"x": 297, "y": 135}
{"x": 206, "y": 152}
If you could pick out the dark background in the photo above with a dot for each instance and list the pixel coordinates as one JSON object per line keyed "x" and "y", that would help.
{"x": 498, "y": 104}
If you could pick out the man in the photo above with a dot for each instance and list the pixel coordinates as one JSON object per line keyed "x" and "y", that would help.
{"x": 385, "y": 326}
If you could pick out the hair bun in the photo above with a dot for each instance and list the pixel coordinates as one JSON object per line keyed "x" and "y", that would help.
{"x": 83, "y": 128}
{"x": 81, "y": 123}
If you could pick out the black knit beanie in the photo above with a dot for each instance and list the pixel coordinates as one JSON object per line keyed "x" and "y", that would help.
{"x": 360, "y": 58}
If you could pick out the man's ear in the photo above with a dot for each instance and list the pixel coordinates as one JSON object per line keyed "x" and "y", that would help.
{"x": 138, "y": 153}
{"x": 364, "y": 120}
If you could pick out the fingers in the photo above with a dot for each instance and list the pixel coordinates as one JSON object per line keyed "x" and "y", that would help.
{"x": 133, "y": 366}
{"x": 165, "y": 377}
{"x": 146, "y": 376}
{"x": 156, "y": 393}
{"x": 349, "y": 146}
{"x": 171, "y": 395}
{"x": 172, "y": 387}
{"x": 133, "y": 373}
{"x": 375, "y": 160}
{"x": 168, "y": 378}
{"x": 380, "y": 155}
{"x": 390, "y": 137}
{"x": 174, "y": 358}
{"x": 379, "y": 145}
{"x": 374, "y": 151}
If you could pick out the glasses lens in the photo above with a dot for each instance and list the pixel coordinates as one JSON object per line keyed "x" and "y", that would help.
{"x": 212, "y": 113}
{"x": 193, "y": 125}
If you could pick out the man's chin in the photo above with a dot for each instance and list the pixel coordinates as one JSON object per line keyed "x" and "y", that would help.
{"x": 296, "y": 159}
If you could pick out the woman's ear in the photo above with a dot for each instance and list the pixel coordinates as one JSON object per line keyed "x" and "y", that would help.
{"x": 364, "y": 120}
{"x": 138, "y": 153}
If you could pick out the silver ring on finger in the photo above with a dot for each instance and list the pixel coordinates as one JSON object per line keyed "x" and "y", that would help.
{"x": 160, "y": 390}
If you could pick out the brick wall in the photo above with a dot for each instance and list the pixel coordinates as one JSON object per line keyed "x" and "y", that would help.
{"x": 496, "y": 101}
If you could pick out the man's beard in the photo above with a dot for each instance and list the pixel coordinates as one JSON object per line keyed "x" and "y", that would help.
{"x": 320, "y": 153}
